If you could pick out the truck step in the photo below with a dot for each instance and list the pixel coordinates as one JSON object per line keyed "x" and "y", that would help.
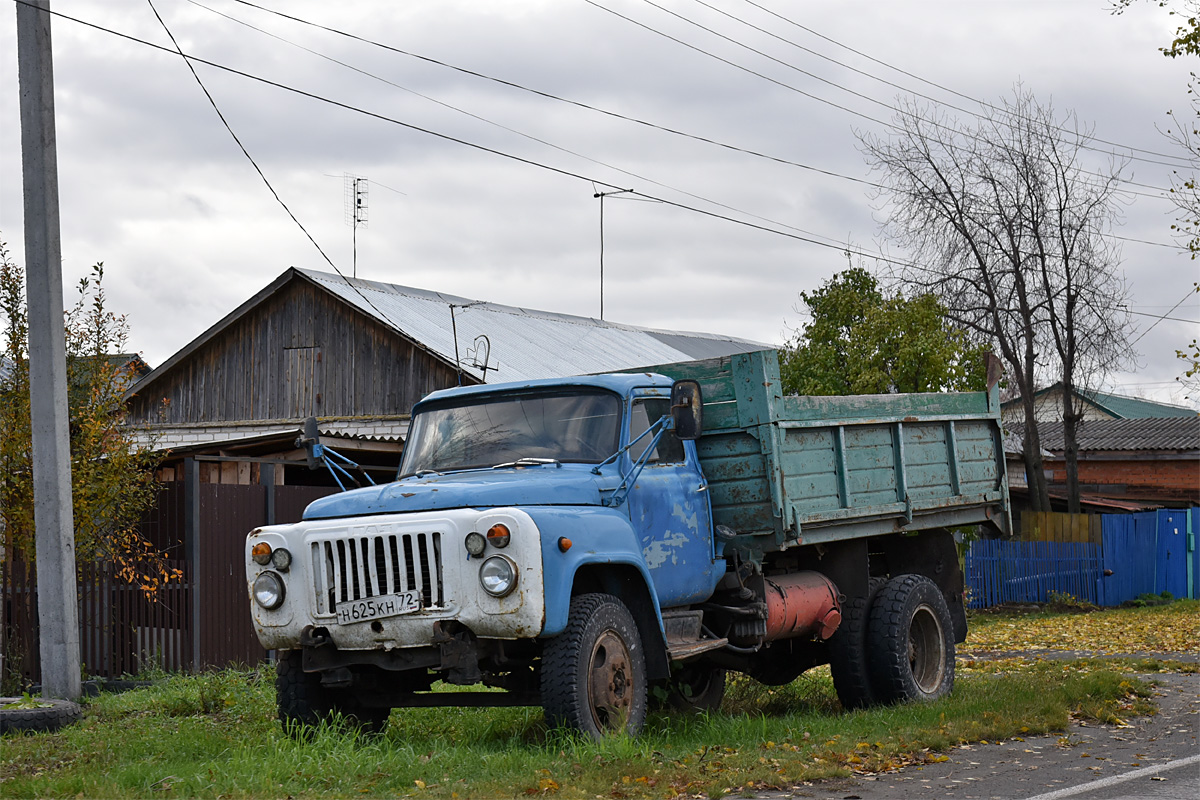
{"x": 681, "y": 651}
{"x": 685, "y": 635}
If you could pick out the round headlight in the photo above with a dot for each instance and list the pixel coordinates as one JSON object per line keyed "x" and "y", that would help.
{"x": 498, "y": 535}
{"x": 268, "y": 590}
{"x": 475, "y": 543}
{"x": 498, "y": 576}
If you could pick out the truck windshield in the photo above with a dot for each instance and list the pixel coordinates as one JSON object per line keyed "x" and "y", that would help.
{"x": 581, "y": 425}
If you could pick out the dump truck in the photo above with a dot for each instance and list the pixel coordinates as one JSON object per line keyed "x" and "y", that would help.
{"x": 598, "y": 545}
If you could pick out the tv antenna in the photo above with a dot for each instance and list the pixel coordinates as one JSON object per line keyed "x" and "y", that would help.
{"x": 356, "y": 193}
{"x": 454, "y": 333}
{"x": 603, "y": 195}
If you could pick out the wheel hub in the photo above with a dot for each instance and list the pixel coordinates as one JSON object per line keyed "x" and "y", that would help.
{"x": 926, "y": 650}
{"x": 610, "y": 686}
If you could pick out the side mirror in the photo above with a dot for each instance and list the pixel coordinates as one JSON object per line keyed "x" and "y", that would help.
{"x": 687, "y": 409}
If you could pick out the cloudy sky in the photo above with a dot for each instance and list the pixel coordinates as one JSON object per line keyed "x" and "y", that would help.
{"x": 154, "y": 186}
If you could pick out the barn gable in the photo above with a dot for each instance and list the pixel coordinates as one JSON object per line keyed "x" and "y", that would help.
{"x": 292, "y": 351}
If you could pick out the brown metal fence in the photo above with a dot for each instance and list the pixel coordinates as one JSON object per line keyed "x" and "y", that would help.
{"x": 200, "y": 621}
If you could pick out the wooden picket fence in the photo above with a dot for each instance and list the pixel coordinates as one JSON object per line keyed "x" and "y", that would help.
{"x": 1052, "y": 526}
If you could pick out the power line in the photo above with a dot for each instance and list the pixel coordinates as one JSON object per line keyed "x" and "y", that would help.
{"x": 1163, "y": 316}
{"x": 653, "y": 125}
{"x": 1183, "y": 162}
{"x": 505, "y": 127}
{"x": 557, "y": 98}
{"x": 1159, "y": 318}
{"x": 246, "y": 153}
{"x": 483, "y": 148}
{"x": 809, "y": 95}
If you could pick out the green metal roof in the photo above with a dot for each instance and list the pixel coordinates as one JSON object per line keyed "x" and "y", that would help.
{"x": 1124, "y": 407}
{"x": 1120, "y": 406}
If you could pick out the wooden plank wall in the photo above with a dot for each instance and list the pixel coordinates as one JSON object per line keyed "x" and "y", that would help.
{"x": 1054, "y": 526}
{"x": 300, "y": 352}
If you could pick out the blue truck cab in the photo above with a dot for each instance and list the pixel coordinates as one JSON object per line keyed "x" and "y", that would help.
{"x": 559, "y": 539}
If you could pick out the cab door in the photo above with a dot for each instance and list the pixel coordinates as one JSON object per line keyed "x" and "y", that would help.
{"x": 669, "y": 508}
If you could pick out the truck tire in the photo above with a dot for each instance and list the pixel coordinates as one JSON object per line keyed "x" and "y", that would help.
{"x": 50, "y": 715}
{"x": 593, "y": 674}
{"x": 910, "y": 641}
{"x": 848, "y": 661}
{"x": 304, "y": 703}
{"x": 696, "y": 688}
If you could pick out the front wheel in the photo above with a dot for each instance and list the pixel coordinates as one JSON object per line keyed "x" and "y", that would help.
{"x": 910, "y": 640}
{"x": 593, "y": 674}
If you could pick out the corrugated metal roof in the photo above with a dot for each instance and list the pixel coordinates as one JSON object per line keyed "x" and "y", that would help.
{"x": 525, "y": 343}
{"x": 1165, "y": 433}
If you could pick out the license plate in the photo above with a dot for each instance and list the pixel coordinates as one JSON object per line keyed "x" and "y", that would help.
{"x": 388, "y": 605}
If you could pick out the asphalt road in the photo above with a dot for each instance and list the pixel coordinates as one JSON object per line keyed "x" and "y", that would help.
{"x": 1155, "y": 757}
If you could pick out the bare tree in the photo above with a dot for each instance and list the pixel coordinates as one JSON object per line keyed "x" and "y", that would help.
{"x": 1006, "y": 226}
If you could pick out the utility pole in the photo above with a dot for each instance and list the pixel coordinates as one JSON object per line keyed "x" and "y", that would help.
{"x": 58, "y": 609}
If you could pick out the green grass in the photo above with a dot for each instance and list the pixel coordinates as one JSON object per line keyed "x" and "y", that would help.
{"x": 215, "y": 735}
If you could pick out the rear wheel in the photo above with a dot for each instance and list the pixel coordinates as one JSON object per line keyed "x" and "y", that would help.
{"x": 304, "y": 703}
{"x": 696, "y": 688}
{"x": 848, "y": 662}
{"x": 910, "y": 641}
{"x": 593, "y": 674}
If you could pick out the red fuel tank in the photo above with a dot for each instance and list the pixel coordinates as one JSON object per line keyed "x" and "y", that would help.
{"x": 801, "y": 603}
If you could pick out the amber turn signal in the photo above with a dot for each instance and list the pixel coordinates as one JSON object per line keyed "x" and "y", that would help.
{"x": 564, "y": 544}
{"x": 498, "y": 535}
{"x": 261, "y": 553}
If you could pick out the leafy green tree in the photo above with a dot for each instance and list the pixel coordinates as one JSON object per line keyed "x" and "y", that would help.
{"x": 112, "y": 476}
{"x": 861, "y": 341}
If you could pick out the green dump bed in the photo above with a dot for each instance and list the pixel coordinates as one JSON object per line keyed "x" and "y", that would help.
{"x": 784, "y": 471}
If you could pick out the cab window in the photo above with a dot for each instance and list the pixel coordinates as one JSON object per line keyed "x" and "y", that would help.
{"x": 645, "y": 412}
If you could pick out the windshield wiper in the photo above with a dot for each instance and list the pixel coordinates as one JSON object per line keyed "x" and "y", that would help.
{"x": 421, "y": 473}
{"x": 527, "y": 462}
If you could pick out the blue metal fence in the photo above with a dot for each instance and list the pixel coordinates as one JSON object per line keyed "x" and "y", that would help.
{"x": 1025, "y": 572}
{"x": 1145, "y": 553}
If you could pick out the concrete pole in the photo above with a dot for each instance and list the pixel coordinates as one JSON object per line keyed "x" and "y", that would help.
{"x": 58, "y": 611}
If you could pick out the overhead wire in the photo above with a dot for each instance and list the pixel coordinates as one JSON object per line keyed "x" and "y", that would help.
{"x": 557, "y": 98}
{"x": 250, "y": 158}
{"x": 466, "y": 143}
{"x": 1160, "y": 318}
{"x": 607, "y": 112}
{"x": 1182, "y": 160}
{"x": 817, "y": 98}
{"x": 569, "y": 151}
{"x": 488, "y": 121}
{"x": 446, "y": 137}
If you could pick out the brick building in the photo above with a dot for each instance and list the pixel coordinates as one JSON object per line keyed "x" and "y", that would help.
{"x": 1152, "y": 462}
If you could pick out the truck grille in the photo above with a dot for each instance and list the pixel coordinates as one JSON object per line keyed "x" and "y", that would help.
{"x": 357, "y": 567}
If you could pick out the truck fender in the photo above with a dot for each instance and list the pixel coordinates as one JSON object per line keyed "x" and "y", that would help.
{"x": 604, "y": 555}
